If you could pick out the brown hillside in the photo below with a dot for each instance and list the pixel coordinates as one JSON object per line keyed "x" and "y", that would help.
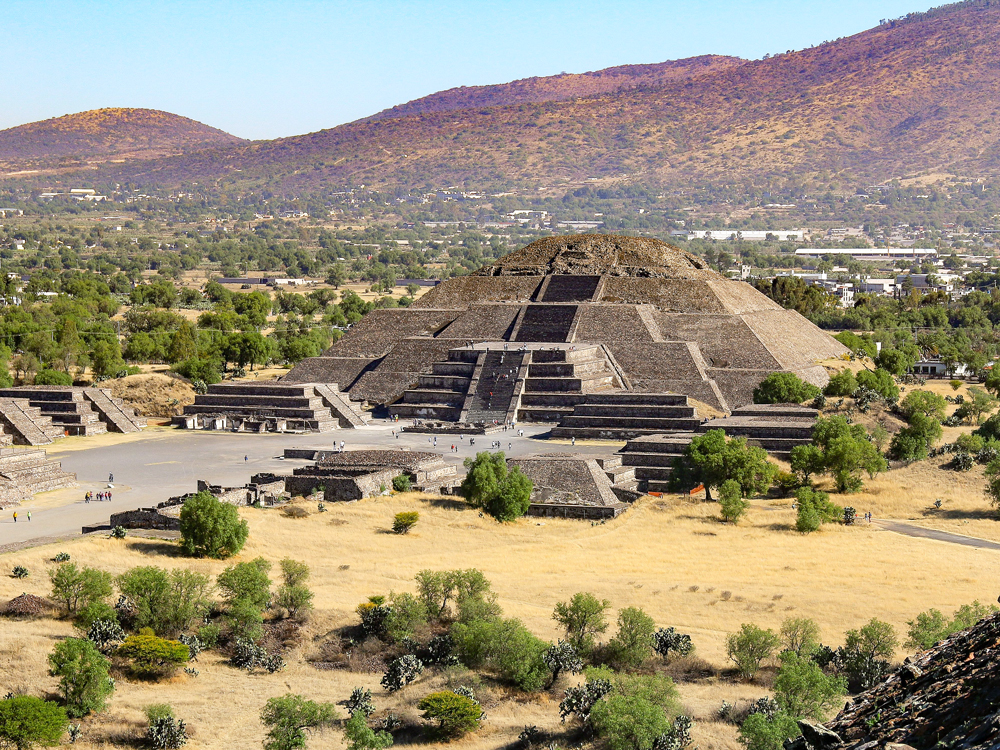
{"x": 914, "y": 95}
{"x": 562, "y": 87}
{"x": 113, "y": 132}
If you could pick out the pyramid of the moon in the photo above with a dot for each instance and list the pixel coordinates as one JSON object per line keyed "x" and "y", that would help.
{"x": 599, "y": 313}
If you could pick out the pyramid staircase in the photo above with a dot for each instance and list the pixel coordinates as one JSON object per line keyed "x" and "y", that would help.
{"x": 25, "y": 471}
{"x": 622, "y": 415}
{"x": 652, "y": 458}
{"x": 113, "y": 412}
{"x": 560, "y": 378}
{"x": 24, "y": 424}
{"x": 270, "y": 407}
{"x": 76, "y": 411}
{"x": 441, "y": 394}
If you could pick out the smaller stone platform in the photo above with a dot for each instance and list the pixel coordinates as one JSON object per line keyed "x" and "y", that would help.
{"x": 567, "y": 485}
{"x": 653, "y": 457}
{"x": 25, "y": 471}
{"x": 356, "y": 474}
{"x": 623, "y": 415}
{"x": 777, "y": 428}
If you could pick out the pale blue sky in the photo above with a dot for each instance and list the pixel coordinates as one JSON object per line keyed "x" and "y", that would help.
{"x": 265, "y": 69}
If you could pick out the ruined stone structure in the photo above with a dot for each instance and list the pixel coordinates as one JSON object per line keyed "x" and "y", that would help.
{"x": 37, "y": 414}
{"x": 356, "y": 474}
{"x": 25, "y": 471}
{"x": 271, "y": 407}
{"x": 571, "y": 486}
{"x": 549, "y": 331}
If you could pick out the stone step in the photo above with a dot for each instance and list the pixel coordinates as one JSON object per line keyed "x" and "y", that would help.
{"x": 259, "y": 400}
{"x": 261, "y": 389}
{"x": 26, "y": 424}
{"x": 469, "y": 356}
{"x": 441, "y": 412}
{"x": 113, "y": 412}
{"x": 456, "y": 369}
{"x": 659, "y": 473}
{"x": 347, "y": 413}
{"x": 589, "y": 408}
{"x": 565, "y": 354}
{"x": 648, "y": 459}
{"x": 544, "y": 413}
{"x": 433, "y": 396}
{"x": 621, "y": 474}
{"x": 457, "y": 383}
{"x": 661, "y": 424}
{"x": 602, "y": 433}
{"x": 574, "y": 384}
{"x": 253, "y": 411}
{"x": 550, "y": 398}
{"x": 56, "y": 393}
{"x": 609, "y": 462}
{"x": 623, "y": 398}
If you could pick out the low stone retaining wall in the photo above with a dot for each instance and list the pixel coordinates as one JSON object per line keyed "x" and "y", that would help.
{"x": 145, "y": 518}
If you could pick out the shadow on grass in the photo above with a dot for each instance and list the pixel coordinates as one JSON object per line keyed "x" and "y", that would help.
{"x": 447, "y": 503}
{"x": 947, "y": 514}
{"x": 157, "y": 547}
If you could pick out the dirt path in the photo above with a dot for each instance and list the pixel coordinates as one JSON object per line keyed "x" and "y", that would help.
{"x": 908, "y": 529}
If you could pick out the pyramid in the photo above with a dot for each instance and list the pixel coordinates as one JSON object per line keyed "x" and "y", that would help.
{"x": 658, "y": 317}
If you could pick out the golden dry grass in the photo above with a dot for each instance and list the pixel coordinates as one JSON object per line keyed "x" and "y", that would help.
{"x": 670, "y": 556}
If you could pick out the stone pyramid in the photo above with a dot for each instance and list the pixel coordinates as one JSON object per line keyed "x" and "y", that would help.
{"x": 666, "y": 322}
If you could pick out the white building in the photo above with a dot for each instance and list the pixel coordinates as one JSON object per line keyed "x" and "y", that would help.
{"x": 871, "y": 253}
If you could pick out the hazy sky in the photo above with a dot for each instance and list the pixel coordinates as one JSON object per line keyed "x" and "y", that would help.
{"x": 263, "y": 69}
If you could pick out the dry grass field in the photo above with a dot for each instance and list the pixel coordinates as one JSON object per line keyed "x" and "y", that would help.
{"x": 670, "y": 556}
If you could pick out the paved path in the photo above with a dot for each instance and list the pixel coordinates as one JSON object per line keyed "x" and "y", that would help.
{"x": 165, "y": 463}
{"x": 908, "y": 529}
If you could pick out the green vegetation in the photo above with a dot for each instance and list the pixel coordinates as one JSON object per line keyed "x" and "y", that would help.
{"x": 167, "y": 602}
{"x": 76, "y": 587}
{"x": 404, "y": 521}
{"x": 840, "y": 449}
{"x": 711, "y": 459}
{"x": 503, "y": 494}
{"x": 360, "y": 736}
{"x": 211, "y": 528}
{"x": 814, "y": 509}
{"x": 633, "y": 643}
{"x": 83, "y": 676}
{"x": 26, "y": 721}
{"x": 293, "y": 595}
{"x": 731, "y": 503}
{"x": 784, "y": 388}
{"x": 289, "y": 716}
{"x": 456, "y": 714}
{"x": 150, "y": 656}
{"x": 583, "y": 616}
{"x": 750, "y": 647}
{"x": 929, "y": 627}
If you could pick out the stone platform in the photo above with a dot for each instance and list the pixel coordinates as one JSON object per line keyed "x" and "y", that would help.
{"x": 356, "y": 474}
{"x": 26, "y": 471}
{"x": 37, "y": 414}
{"x": 777, "y": 428}
{"x": 566, "y": 485}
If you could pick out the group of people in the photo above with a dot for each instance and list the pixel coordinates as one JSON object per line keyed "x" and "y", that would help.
{"x": 15, "y": 516}
{"x": 101, "y": 497}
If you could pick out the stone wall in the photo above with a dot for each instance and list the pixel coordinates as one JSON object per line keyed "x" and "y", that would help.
{"x": 145, "y": 518}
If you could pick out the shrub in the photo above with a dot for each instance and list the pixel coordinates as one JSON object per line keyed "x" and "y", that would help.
{"x": 248, "y": 655}
{"x": 802, "y": 689}
{"x": 896, "y": 361}
{"x": 980, "y": 402}
{"x": 105, "y": 634}
{"x": 762, "y": 732}
{"x": 784, "y": 388}
{"x": 209, "y": 635}
{"x": 503, "y": 494}
{"x": 61, "y": 557}
{"x": 667, "y": 641}
{"x": 931, "y": 626}
{"x": 211, "y": 528}
{"x": 923, "y": 402}
{"x": 26, "y": 721}
{"x": 407, "y": 614}
{"x": 879, "y": 381}
{"x": 401, "y": 483}
{"x": 633, "y": 643}
{"x": 246, "y": 582}
{"x": 750, "y": 647}
{"x": 167, "y": 732}
{"x": 289, "y": 716}
{"x": 955, "y": 384}
{"x": 635, "y": 714}
{"x": 119, "y": 532}
{"x": 863, "y": 658}
{"x": 360, "y": 701}
{"x": 579, "y": 701}
{"x": 506, "y": 647}
{"x": 711, "y": 460}
{"x": 800, "y": 635}
{"x": 401, "y": 672}
{"x": 151, "y": 656}
{"x": 403, "y": 522}
{"x": 76, "y": 587}
{"x": 468, "y": 589}
{"x": 913, "y": 441}
{"x": 787, "y": 483}
{"x": 969, "y": 443}
{"x": 731, "y": 503}
{"x": 19, "y": 571}
{"x": 167, "y": 602}
{"x": 83, "y": 676}
{"x": 583, "y": 617}
{"x": 360, "y": 736}
{"x": 293, "y": 596}
{"x": 814, "y": 509}
{"x": 52, "y": 377}
{"x": 962, "y": 462}
{"x": 850, "y": 514}
{"x": 562, "y": 657}
{"x": 841, "y": 384}
{"x": 861, "y": 346}
{"x": 456, "y": 714}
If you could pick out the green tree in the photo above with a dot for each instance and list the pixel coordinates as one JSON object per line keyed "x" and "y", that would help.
{"x": 583, "y": 616}
{"x": 913, "y": 442}
{"x": 247, "y": 582}
{"x": 407, "y": 615}
{"x": 923, "y": 402}
{"x": 289, "y": 716}
{"x": 841, "y": 384}
{"x": 77, "y": 587}
{"x": 211, "y": 528}
{"x": 52, "y": 377}
{"x": 761, "y": 732}
{"x": 503, "y": 494}
{"x": 860, "y": 345}
{"x": 456, "y": 714}
{"x": 750, "y": 647}
{"x": 814, "y": 509}
{"x": 468, "y": 589}
{"x": 846, "y": 452}
{"x": 978, "y": 403}
{"x": 629, "y": 722}
{"x": 167, "y": 602}
{"x": 711, "y": 460}
{"x": 895, "y": 361}
{"x": 183, "y": 344}
{"x": 784, "y": 388}
{"x": 106, "y": 358}
{"x": 800, "y": 635}
{"x": 360, "y": 736}
{"x": 83, "y": 676}
{"x": 880, "y": 382}
{"x": 503, "y": 646}
{"x": 26, "y": 721}
{"x": 803, "y": 690}
{"x": 293, "y": 595}
{"x": 633, "y": 643}
{"x": 873, "y": 640}
{"x": 151, "y": 656}
{"x": 731, "y": 502}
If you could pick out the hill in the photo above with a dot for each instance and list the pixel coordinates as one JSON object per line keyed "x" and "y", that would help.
{"x": 561, "y": 87}
{"x": 917, "y": 95}
{"x": 101, "y": 134}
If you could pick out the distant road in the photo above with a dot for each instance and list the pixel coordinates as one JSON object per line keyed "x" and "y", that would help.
{"x": 908, "y": 529}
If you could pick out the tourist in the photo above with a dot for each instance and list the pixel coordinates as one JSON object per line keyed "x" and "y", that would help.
{"x": 573, "y": 441}
{"x": 109, "y": 496}
{"x": 510, "y": 446}
{"x": 29, "y": 515}
{"x": 15, "y": 516}
{"x": 86, "y": 497}
{"x": 111, "y": 477}
{"x": 246, "y": 458}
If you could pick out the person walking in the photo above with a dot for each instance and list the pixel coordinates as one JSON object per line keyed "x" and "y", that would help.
{"x": 15, "y": 516}
{"x": 246, "y": 458}
{"x": 29, "y": 516}
{"x": 111, "y": 477}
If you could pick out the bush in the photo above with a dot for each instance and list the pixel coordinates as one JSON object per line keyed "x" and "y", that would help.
{"x": 583, "y": 617}
{"x": 761, "y": 732}
{"x": 401, "y": 672}
{"x": 803, "y": 690}
{"x": 76, "y": 587}
{"x": 731, "y": 503}
{"x": 667, "y": 641}
{"x": 19, "y": 571}
{"x": 913, "y": 442}
{"x": 800, "y": 635}
{"x": 105, "y": 634}
{"x": 289, "y": 716}
{"x": 895, "y": 361}
{"x": 246, "y": 582}
{"x": 562, "y": 657}
{"x": 456, "y": 714}
{"x": 26, "y": 721}
{"x": 863, "y": 658}
{"x": 503, "y": 494}
{"x": 151, "y": 656}
{"x": 248, "y": 655}
{"x": 83, "y": 676}
{"x": 360, "y": 736}
{"x": 841, "y": 449}
{"x": 209, "y": 635}
{"x": 841, "y": 384}
{"x": 205, "y": 370}
{"x": 468, "y": 589}
{"x": 635, "y": 714}
{"x": 923, "y": 402}
{"x": 61, "y": 557}
{"x": 579, "y": 701}
{"x": 962, "y": 461}
{"x": 633, "y": 643}
{"x": 52, "y": 377}
{"x": 711, "y": 460}
{"x": 401, "y": 483}
{"x": 814, "y": 509}
{"x": 360, "y": 701}
{"x": 931, "y": 626}
{"x": 861, "y": 346}
{"x": 784, "y": 388}
{"x": 119, "y": 532}
{"x": 506, "y": 647}
{"x": 211, "y": 528}
{"x": 407, "y": 614}
{"x": 750, "y": 647}
{"x": 403, "y": 522}
{"x": 293, "y": 596}
{"x": 879, "y": 381}
{"x": 167, "y": 602}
